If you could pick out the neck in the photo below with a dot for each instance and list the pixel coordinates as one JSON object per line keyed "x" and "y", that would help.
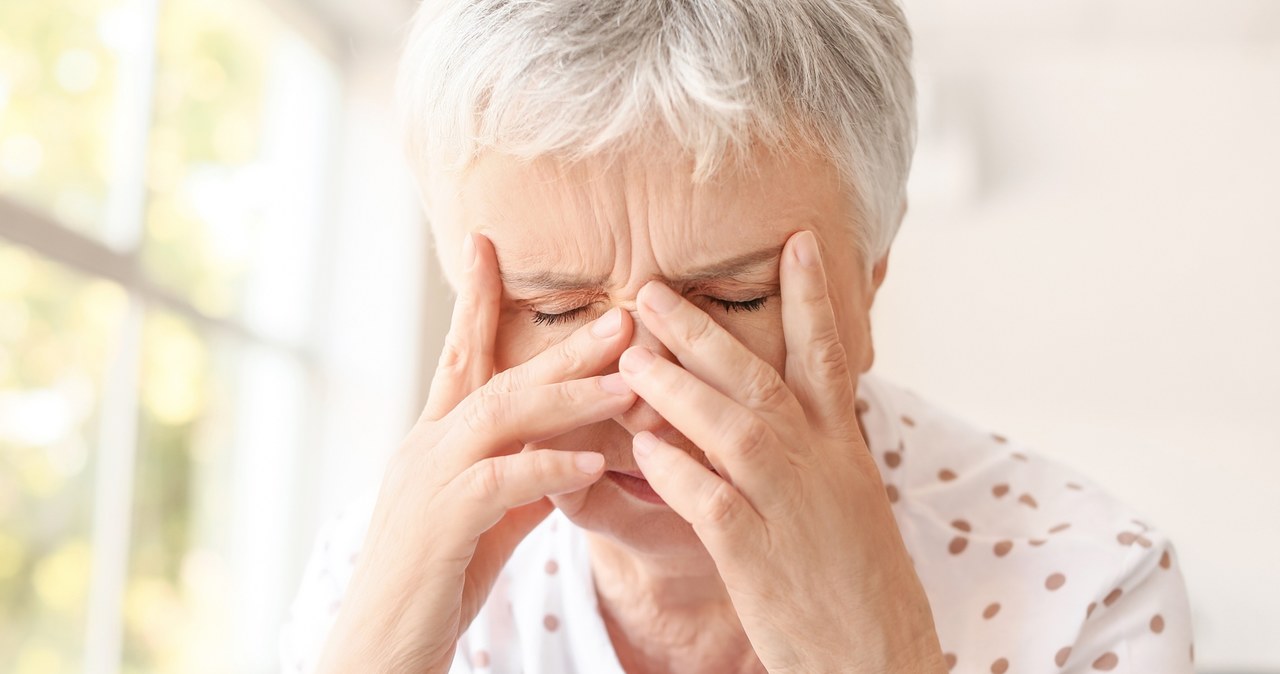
{"x": 668, "y": 613}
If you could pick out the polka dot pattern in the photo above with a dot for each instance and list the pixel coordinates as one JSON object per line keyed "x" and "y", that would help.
{"x": 1106, "y": 662}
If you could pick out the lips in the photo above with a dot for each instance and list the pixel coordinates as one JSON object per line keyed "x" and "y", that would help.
{"x": 634, "y": 484}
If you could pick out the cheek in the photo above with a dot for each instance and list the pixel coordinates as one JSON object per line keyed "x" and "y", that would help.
{"x": 759, "y": 331}
{"x": 518, "y": 339}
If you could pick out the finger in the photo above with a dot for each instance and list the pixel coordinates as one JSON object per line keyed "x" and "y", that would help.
{"x": 719, "y": 512}
{"x": 713, "y": 355}
{"x": 740, "y": 444}
{"x": 466, "y": 362}
{"x": 817, "y": 368}
{"x": 585, "y": 352}
{"x": 488, "y": 489}
{"x": 492, "y": 422}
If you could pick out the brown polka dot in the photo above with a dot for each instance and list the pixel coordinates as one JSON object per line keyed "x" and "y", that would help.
{"x": 1060, "y": 658}
{"x": 1000, "y": 666}
{"x": 1019, "y": 456}
{"x": 1002, "y": 548}
{"x": 1055, "y": 581}
{"x": 892, "y": 458}
{"x": 946, "y": 475}
{"x": 1037, "y": 542}
{"x": 892, "y": 492}
{"x": 1126, "y": 537}
{"x": 1164, "y": 560}
{"x": 1141, "y": 524}
{"x": 1060, "y": 527}
{"x": 1112, "y": 597}
{"x": 1144, "y": 541}
{"x": 1106, "y": 662}
{"x": 999, "y": 438}
{"x": 481, "y": 659}
{"x": 1157, "y": 623}
{"x": 1089, "y": 611}
{"x": 908, "y": 420}
{"x": 550, "y": 622}
{"x": 962, "y": 525}
{"x": 991, "y": 610}
{"x": 958, "y": 544}
{"x": 1072, "y": 485}
{"x": 1028, "y": 499}
{"x": 1000, "y": 490}
{"x": 951, "y": 660}
{"x": 861, "y": 406}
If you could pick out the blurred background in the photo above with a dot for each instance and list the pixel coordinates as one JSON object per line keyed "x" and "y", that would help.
{"x": 219, "y": 308}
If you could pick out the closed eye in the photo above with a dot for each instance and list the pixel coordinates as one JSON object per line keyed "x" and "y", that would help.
{"x": 549, "y": 319}
{"x": 744, "y": 305}
{"x": 542, "y": 318}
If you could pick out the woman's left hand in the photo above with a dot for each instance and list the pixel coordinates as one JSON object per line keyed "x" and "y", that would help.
{"x": 797, "y": 519}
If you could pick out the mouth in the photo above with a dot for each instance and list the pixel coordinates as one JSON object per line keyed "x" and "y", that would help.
{"x": 633, "y": 483}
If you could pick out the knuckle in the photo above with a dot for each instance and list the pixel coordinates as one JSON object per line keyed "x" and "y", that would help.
{"x": 699, "y": 330}
{"x": 485, "y": 479}
{"x": 764, "y": 388}
{"x": 453, "y": 356}
{"x": 570, "y": 358}
{"x": 751, "y": 437}
{"x": 487, "y": 411}
{"x": 721, "y": 505}
{"x": 513, "y": 379}
{"x": 828, "y": 354}
{"x": 570, "y": 394}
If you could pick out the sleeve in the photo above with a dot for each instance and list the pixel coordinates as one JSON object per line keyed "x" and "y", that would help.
{"x": 315, "y": 607}
{"x": 325, "y": 579}
{"x": 1141, "y": 623}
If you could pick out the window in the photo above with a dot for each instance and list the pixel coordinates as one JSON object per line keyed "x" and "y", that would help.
{"x": 164, "y": 208}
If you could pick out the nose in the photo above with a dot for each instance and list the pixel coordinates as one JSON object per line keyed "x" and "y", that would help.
{"x": 641, "y": 416}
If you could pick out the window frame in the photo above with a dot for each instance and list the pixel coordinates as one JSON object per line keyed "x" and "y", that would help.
{"x": 117, "y": 257}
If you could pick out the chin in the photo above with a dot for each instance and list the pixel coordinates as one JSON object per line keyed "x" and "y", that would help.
{"x": 606, "y": 509}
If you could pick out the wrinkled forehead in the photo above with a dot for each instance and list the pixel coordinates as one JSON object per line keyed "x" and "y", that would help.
{"x": 598, "y": 215}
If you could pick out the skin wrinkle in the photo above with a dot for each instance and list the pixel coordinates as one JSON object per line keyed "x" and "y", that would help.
{"x": 618, "y": 224}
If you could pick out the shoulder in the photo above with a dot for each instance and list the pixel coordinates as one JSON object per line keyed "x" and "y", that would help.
{"x": 1024, "y": 558}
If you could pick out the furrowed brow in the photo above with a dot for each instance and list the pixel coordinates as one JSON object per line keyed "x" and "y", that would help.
{"x": 548, "y": 281}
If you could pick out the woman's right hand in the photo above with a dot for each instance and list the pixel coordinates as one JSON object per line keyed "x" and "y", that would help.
{"x": 461, "y": 491}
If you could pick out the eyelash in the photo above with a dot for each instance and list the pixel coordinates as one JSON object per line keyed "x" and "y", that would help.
{"x": 540, "y": 318}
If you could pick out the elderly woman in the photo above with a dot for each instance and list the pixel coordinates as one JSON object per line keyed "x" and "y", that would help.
{"x": 652, "y": 443}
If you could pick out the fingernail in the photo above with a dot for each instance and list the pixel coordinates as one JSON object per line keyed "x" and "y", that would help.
{"x": 588, "y": 462}
{"x": 806, "y": 250}
{"x": 644, "y": 443}
{"x": 613, "y": 383}
{"x": 468, "y": 252}
{"x": 659, "y": 297}
{"x": 635, "y": 359}
{"x": 608, "y": 324}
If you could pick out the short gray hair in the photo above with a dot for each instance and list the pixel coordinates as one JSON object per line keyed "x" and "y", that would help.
{"x": 570, "y": 78}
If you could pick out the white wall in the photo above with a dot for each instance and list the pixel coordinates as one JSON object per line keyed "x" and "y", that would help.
{"x": 1089, "y": 265}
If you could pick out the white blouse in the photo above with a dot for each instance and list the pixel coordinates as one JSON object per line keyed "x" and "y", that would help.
{"x": 1028, "y": 566}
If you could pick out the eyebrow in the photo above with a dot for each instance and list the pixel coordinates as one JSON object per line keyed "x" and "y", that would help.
{"x": 549, "y": 281}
